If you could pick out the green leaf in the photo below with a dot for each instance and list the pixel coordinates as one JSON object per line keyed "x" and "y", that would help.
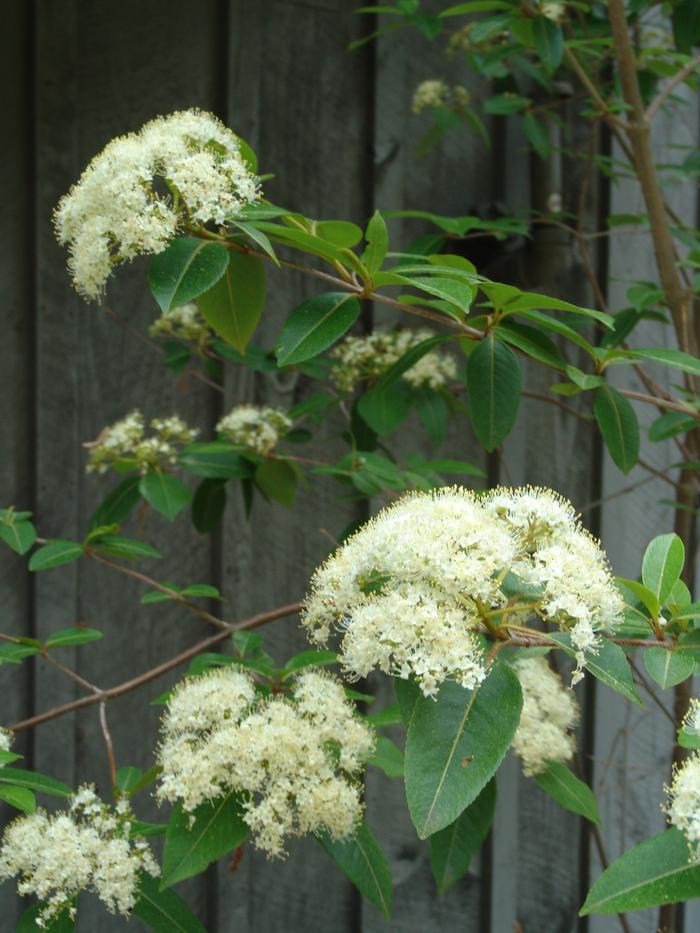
{"x": 339, "y": 232}
{"x": 533, "y": 300}
{"x": 454, "y": 745}
{"x": 19, "y": 535}
{"x": 658, "y": 871}
{"x": 60, "y": 924}
{"x": 55, "y": 553}
{"x": 505, "y": 104}
{"x": 73, "y": 636}
{"x": 453, "y": 848}
{"x": 314, "y": 325}
{"x": 164, "y": 492}
{"x": 218, "y": 827}
{"x": 686, "y": 25}
{"x": 364, "y": 863}
{"x": 277, "y": 480}
{"x": 118, "y": 504}
{"x": 676, "y": 359}
{"x": 164, "y": 911}
{"x": 549, "y": 42}
{"x": 215, "y": 460}
{"x": 127, "y": 548}
{"x": 258, "y": 237}
{"x": 234, "y": 305}
{"x": 185, "y": 269}
{"x": 569, "y": 792}
{"x": 384, "y": 410}
{"x": 389, "y": 716}
{"x": 643, "y": 594}
{"x": 619, "y": 426}
{"x": 13, "y": 653}
{"x": 308, "y": 659}
{"x": 21, "y": 798}
{"x": 609, "y": 665}
{"x": 208, "y": 505}
{"x": 387, "y": 757}
{"x": 662, "y": 565}
{"x": 668, "y": 668}
{"x": 6, "y": 757}
{"x": 455, "y": 292}
{"x": 377, "y": 238}
{"x": 34, "y": 781}
{"x": 407, "y": 694}
{"x": 532, "y": 342}
{"x": 493, "y": 383}
{"x": 128, "y": 777}
{"x": 433, "y": 412}
{"x": 670, "y": 424}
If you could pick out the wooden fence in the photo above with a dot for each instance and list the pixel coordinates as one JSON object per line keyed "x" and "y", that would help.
{"x": 336, "y": 129}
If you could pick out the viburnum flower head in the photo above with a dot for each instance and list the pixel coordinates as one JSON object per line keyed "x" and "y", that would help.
{"x": 143, "y": 188}
{"x": 126, "y": 443}
{"x": 549, "y": 714}
{"x": 409, "y": 591}
{"x": 183, "y": 323}
{"x": 87, "y": 848}
{"x": 294, "y": 759}
{"x": 683, "y": 804}
{"x": 5, "y": 740}
{"x": 254, "y": 426}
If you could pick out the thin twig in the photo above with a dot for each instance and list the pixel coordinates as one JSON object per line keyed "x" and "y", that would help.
{"x": 108, "y": 742}
{"x": 663, "y": 95}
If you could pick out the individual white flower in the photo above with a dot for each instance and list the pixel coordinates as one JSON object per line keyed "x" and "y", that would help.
{"x": 56, "y": 856}
{"x": 554, "y": 11}
{"x": 254, "y": 426}
{"x": 143, "y": 188}
{"x": 360, "y": 358}
{"x": 295, "y": 760}
{"x": 183, "y": 323}
{"x": 548, "y": 717}
{"x": 126, "y": 443}
{"x": 683, "y": 804}
{"x": 430, "y": 93}
{"x": 406, "y": 589}
{"x": 5, "y": 739}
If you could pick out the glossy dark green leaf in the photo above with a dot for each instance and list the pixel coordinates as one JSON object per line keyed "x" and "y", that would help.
{"x": 185, "y": 269}
{"x": 454, "y": 745}
{"x": 54, "y": 554}
{"x": 277, "y": 480}
{"x": 32, "y": 780}
{"x": 453, "y": 848}
{"x": 662, "y": 565}
{"x": 364, "y": 863}
{"x": 685, "y": 18}
{"x": 21, "y": 798}
{"x": 19, "y": 535}
{"x": 315, "y": 325}
{"x": 658, "y": 871}
{"x": 208, "y": 505}
{"x": 549, "y": 42}
{"x": 533, "y": 343}
{"x": 164, "y": 492}
{"x": 234, "y": 304}
{"x": 384, "y": 410}
{"x": 127, "y": 548}
{"x": 215, "y": 460}
{"x": 619, "y": 426}
{"x": 118, "y": 504}
{"x": 191, "y": 845}
{"x": 493, "y": 382}
{"x": 308, "y": 659}
{"x": 164, "y": 911}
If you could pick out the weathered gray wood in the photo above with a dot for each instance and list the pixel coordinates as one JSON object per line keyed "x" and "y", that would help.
{"x": 633, "y": 746}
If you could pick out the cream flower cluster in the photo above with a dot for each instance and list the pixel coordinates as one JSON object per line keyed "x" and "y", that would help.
{"x": 117, "y": 210}
{"x": 411, "y": 588}
{"x": 294, "y": 759}
{"x": 254, "y": 426}
{"x": 556, "y": 554}
{"x": 683, "y": 805}
{"x": 86, "y": 848}
{"x": 183, "y": 323}
{"x": 549, "y": 714}
{"x": 691, "y": 720}
{"x": 125, "y": 442}
{"x": 5, "y": 739}
{"x": 360, "y": 358}
{"x": 434, "y": 93}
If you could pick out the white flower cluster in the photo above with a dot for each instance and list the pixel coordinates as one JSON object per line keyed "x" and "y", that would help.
{"x": 691, "y": 720}
{"x": 435, "y": 93}
{"x": 411, "y": 588}
{"x": 548, "y": 717}
{"x": 84, "y": 849}
{"x": 360, "y": 358}
{"x": 183, "y": 323}
{"x": 683, "y": 805}
{"x": 554, "y": 11}
{"x": 255, "y": 427}
{"x": 117, "y": 210}
{"x": 556, "y": 554}
{"x": 125, "y": 442}
{"x": 5, "y": 739}
{"x": 294, "y": 759}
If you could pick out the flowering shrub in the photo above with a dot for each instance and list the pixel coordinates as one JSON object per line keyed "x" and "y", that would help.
{"x": 469, "y": 599}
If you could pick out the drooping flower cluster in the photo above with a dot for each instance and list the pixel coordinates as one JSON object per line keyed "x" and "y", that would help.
{"x": 558, "y": 556}
{"x": 183, "y": 323}
{"x": 254, "y": 426}
{"x": 125, "y": 443}
{"x": 548, "y": 717}
{"x": 135, "y": 196}
{"x": 411, "y": 589}
{"x": 294, "y": 759}
{"x": 683, "y": 804}
{"x": 5, "y": 739}
{"x": 360, "y": 358}
{"x": 87, "y": 848}
{"x": 434, "y": 93}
